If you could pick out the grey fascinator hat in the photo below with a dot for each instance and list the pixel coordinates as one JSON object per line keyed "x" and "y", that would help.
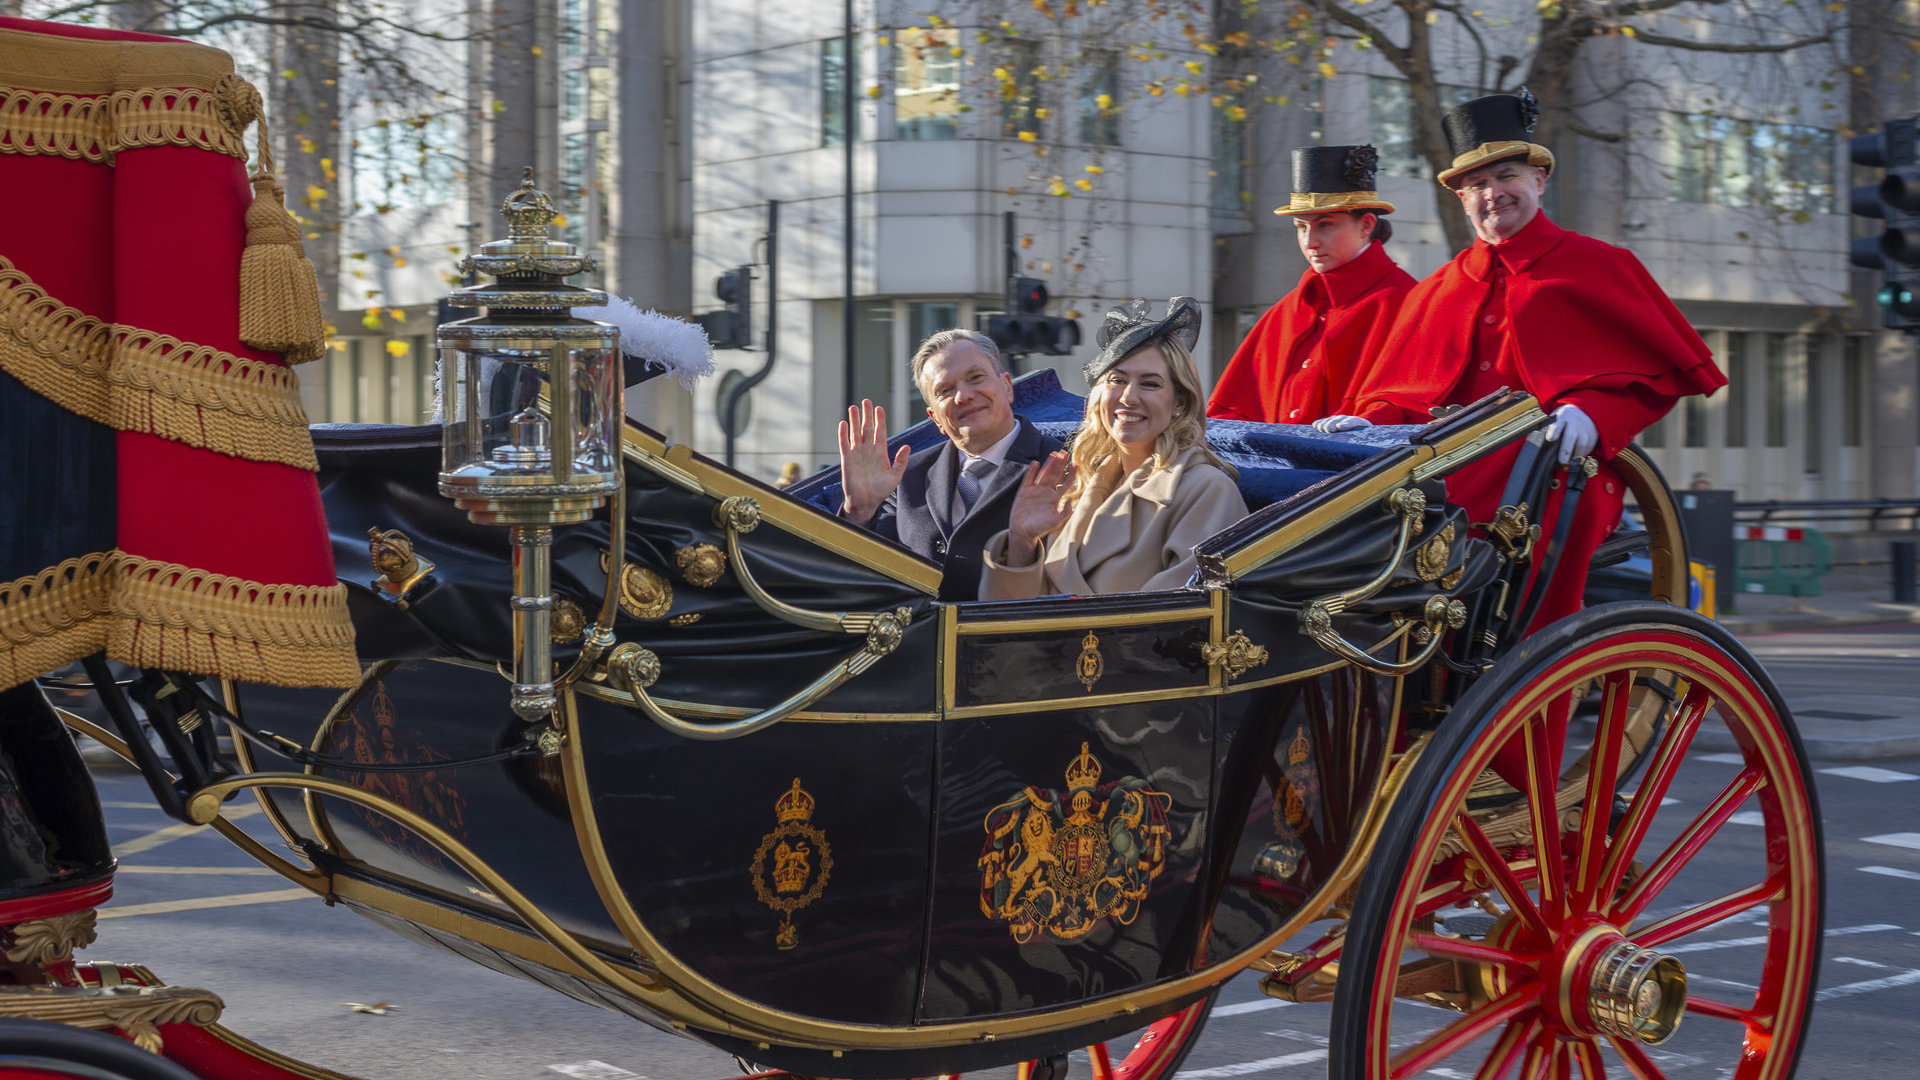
{"x": 1132, "y": 325}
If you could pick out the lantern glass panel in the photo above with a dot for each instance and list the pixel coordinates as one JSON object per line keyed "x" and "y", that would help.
{"x": 501, "y": 441}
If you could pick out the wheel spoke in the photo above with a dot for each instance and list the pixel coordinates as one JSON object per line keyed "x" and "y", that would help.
{"x": 1102, "y": 1062}
{"x": 1721, "y": 1010}
{"x": 1637, "y": 1059}
{"x": 1695, "y": 919}
{"x": 1688, "y": 844}
{"x": 1505, "y": 1052}
{"x": 1455, "y": 1036}
{"x": 1603, "y": 773}
{"x": 1586, "y": 1053}
{"x": 1541, "y": 778}
{"x": 1540, "y": 1055}
{"x": 1653, "y": 788}
{"x": 1472, "y": 952}
{"x": 1497, "y": 869}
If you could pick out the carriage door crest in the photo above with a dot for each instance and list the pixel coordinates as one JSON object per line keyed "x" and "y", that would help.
{"x": 1293, "y": 801}
{"x": 793, "y": 862}
{"x": 1057, "y": 863}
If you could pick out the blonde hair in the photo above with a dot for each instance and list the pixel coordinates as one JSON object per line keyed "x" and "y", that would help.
{"x": 1094, "y": 448}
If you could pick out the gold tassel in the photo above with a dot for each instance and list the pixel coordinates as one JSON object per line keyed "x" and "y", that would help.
{"x": 279, "y": 289}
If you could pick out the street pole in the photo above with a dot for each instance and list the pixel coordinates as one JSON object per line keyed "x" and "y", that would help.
{"x": 847, "y": 71}
{"x": 728, "y": 413}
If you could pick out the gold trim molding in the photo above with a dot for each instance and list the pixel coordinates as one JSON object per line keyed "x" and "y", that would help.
{"x": 74, "y": 65}
{"x": 139, "y": 1011}
{"x": 97, "y": 127}
{"x": 136, "y": 380}
{"x": 151, "y": 613}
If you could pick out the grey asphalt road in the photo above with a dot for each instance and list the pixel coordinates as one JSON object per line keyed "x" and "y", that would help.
{"x": 198, "y": 912}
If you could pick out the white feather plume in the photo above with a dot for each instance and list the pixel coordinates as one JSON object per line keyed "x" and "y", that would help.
{"x": 675, "y": 344}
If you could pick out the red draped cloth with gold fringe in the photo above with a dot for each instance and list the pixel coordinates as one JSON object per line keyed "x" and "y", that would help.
{"x": 158, "y": 498}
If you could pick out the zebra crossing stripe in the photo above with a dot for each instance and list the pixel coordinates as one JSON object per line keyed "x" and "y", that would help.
{"x": 1905, "y": 978}
{"x": 1247, "y": 1068}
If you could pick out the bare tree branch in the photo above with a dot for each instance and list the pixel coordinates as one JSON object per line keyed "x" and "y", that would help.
{"x": 1647, "y": 37}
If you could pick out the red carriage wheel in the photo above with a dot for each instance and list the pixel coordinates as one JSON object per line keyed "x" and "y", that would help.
{"x": 1672, "y": 914}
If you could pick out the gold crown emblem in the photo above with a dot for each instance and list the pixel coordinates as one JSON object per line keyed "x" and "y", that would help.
{"x": 790, "y": 876}
{"x": 795, "y": 805}
{"x": 528, "y": 210}
{"x": 383, "y": 713}
{"x": 1084, "y": 772}
{"x": 1297, "y": 753}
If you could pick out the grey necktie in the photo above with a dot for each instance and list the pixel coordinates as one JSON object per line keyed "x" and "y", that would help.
{"x": 971, "y": 477}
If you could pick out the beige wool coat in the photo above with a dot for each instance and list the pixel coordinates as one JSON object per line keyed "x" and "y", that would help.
{"x": 1126, "y": 534}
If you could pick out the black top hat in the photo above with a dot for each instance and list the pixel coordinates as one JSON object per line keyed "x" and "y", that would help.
{"x": 1132, "y": 325}
{"x": 1328, "y": 178}
{"x": 1490, "y": 129}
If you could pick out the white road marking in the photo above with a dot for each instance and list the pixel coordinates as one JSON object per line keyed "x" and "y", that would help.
{"x": 1905, "y": 978}
{"x": 174, "y": 832}
{"x": 1896, "y": 839}
{"x": 1721, "y": 759}
{"x": 1247, "y": 1068}
{"x": 1694, "y": 976}
{"x": 1669, "y": 802}
{"x": 1857, "y": 960}
{"x": 1869, "y": 774}
{"x": 594, "y": 1070}
{"x": 1244, "y": 1007}
{"x": 1888, "y": 871}
{"x": 1761, "y": 939}
{"x": 230, "y": 871}
{"x": 167, "y": 907}
{"x": 1748, "y": 817}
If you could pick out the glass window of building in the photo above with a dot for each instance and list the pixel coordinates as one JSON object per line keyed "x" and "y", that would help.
{"x": 926, "y": 83}
{"x": 1100, "y": 98}
{"x": 1017, "y": 81}
{"x": 1856, "y": 377}
{"x": 408, "y": 162}
{"x": 873, "y": 360}
{"x": 1390, "y": 116}
{"x": 1739, "y": 377}
{"x": 1231, "y": 154}
{"x": 1787, "y": 168}
{"x": 833, "y": 74}
{"x": 1777, "y": 390}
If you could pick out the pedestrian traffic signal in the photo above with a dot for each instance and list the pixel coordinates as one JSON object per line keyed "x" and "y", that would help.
{"x": 1026, "y": 328}
{"x": 733, "y": 327}
{"x": 1895, "y": 201}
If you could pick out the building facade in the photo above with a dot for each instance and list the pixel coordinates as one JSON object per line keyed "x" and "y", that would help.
{"x": 1136, "y": 160}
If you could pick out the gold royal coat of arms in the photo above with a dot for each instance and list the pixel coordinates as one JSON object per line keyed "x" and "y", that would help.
{"x": 1056, "y": 864}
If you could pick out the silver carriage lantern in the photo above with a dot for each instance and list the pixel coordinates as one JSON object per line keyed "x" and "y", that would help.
{"x": 531, "y": 404}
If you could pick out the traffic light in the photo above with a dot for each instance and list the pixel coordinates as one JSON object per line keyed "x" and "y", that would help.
{"x": 1895, "y": 200}
{"x": 1026, "y": 328}
{"x": 733, "y": 327}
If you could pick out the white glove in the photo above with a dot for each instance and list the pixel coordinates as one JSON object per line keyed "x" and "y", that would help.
{"x": 1328, "y": 425}
{"x": 1575, "y": 432}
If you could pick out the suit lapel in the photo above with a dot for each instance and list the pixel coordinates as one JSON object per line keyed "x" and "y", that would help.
{"x": 941, "y": 492}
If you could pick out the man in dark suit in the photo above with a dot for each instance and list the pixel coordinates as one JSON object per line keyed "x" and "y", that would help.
{"x": 945, "y": 501}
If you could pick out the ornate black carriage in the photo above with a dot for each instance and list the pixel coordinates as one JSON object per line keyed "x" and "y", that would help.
{"x": 714, "y": 758}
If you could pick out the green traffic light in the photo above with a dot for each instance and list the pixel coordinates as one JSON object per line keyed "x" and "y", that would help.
{"x": 1895, "y": 297}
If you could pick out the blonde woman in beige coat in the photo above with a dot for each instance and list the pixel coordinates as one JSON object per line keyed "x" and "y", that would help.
{"x": 1141, "y": 487}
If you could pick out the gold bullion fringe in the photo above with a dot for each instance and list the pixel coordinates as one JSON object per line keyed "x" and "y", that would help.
{"x": 155, "y": 384}
{"x": 97, "y": 127}
{"x": 151, "y": 613}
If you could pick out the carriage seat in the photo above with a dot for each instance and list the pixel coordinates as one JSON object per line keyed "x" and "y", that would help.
{"x": 1274, "y": 461}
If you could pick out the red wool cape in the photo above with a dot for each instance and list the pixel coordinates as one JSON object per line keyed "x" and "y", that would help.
{"x": 1270, "y": 379}
{"x": 1582, "y": 322}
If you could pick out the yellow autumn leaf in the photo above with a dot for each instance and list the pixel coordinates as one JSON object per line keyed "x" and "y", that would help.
{"x": 1056, "y": 187}
{"x": 1629, "y": 31}
{"x": 1183, "y": 89}
{"x": 1194, "y": 66}
{"x": 1236, "y": 113}
{"x": 560, "y": 220}
{"x": 397, "y": 314}
{"x": 1327, "y": 70}
{"x": 1095, "y": 170}
{"x": 873, "y": 91}
{"x": 1083, "y": 184}
{"x": 371, "y": 320}
{"x": 337, "y": 346}
{"x": 1001, "y": 74}
{"x": 397, "y": 348}
{"x": 315, "y": 193}
{"x": 1042, "y": 113}
{"x": 1104, "y": 102}
{"x": 537, "y": 51}
{"x": 1028, "y": 136}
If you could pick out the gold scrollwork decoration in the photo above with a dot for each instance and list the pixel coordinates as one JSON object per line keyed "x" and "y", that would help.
{"x": 39, "y": 942}
{"x": 688, "y": 619}
{"x": 632, "y": 667}
{"x": 1238, "y": 654}
{"x": 887, "y": 630}
{"x": 701, "y": 564}
{"x": 567, "y": 622}
{"x": 801, "y": 862}
{"x": 139, "y": 1011}
{"x": 644, "y": 593}
{"x": 1090, "y": 665}
{"x": 1430, "y": 559}
{"x": 740, "y": 513}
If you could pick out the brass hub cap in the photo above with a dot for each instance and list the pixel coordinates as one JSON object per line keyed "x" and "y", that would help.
{"x": 1630, "y": 992}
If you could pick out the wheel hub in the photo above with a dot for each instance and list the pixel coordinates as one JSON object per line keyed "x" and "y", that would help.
{"x": 1630, "y": 992}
